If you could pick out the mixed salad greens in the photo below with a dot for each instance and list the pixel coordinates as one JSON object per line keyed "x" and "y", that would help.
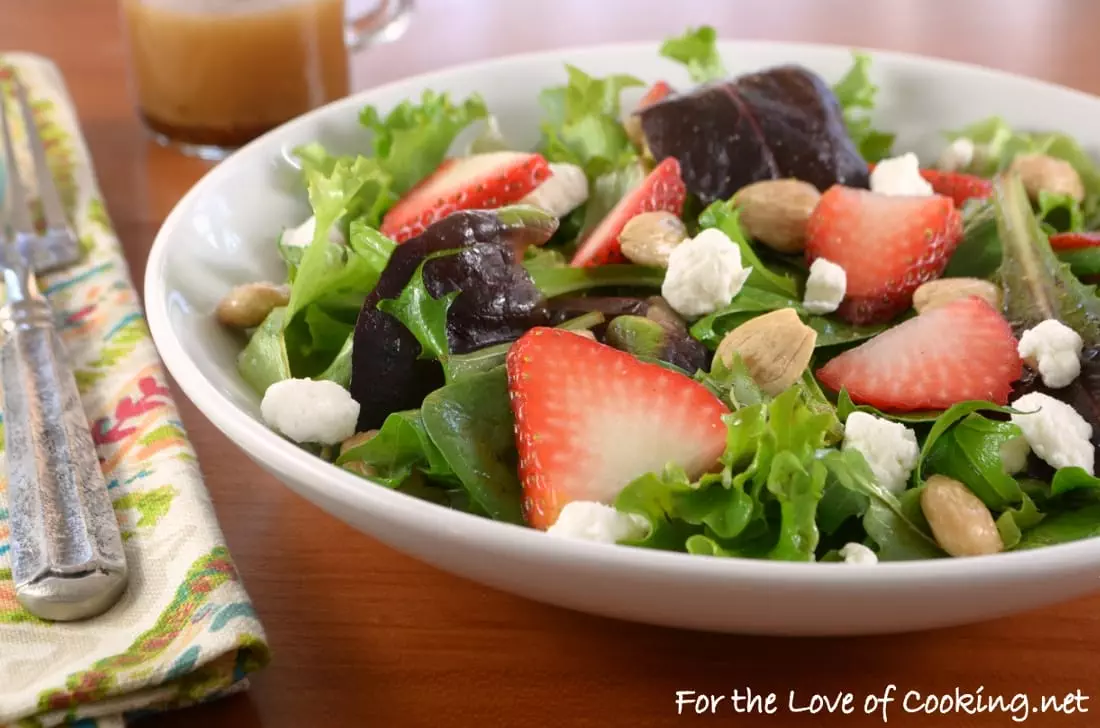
{"x": 496, "y": 315}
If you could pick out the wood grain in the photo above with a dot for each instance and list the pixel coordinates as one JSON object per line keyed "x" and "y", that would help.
{"x": 363, "y": 636}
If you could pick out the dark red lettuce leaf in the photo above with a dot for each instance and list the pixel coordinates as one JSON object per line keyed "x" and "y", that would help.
{"x": 783, "y": 122}
{"x": 497, "y": 304}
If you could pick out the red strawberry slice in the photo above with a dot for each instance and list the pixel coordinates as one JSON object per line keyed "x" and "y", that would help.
{"x": 959, "y": 187}
{"x": 656, "y": 92}
{"x": 590, "y": 419}
{"x": 886, "y": 245}
{"x": 1074, "y": 241}
{"x": 959, "y": 351}
{"x": 478, "y": 182}
{"x": 662, "y": 189}
{"x": 956, "y": 185}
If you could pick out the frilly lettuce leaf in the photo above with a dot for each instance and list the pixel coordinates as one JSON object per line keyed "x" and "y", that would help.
{"x": 582, "y": 123}
{"x": 412, "y": 140}
{"x": 264, "y": 361}
{"x": 697, "y": 49}
{"x": 855, "y": 93}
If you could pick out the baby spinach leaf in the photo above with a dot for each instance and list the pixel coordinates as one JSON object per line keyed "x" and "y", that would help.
{"x": 264, "y": 361}
{"x": 697, "y": 49}
{"x": 1073, "y": 479}
{"x": 1036, "y": 285}
{"x": 946, "y": 420}
{"x": 401, "y": 446}
{"x": 425, "y": 317}
{"x": 970, "y": 452}
{"x": 1083, "y": 263}
{"x": 845, "y": 406}
{"x": 855, "y": 93}
{"x": 413, "y": 138}
{"x": 834, "y": 332}
{"x": 1063, "y": 527}
{"x": 554, "y": 281}
{"x": 725, "y": 217}
{"x": 471, "y": 423}
{"x": 978, "y": 254}
{"x": 748, "y": 304}
{"x": 1014, "y": 521}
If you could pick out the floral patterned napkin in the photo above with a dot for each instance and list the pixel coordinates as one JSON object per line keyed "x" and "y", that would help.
{"x": 185, "y": 630}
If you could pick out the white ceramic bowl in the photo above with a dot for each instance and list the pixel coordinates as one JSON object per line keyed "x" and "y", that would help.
{"x": 222, "y": 233}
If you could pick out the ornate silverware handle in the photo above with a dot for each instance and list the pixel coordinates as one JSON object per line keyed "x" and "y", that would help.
{"x": 67, "y": 557}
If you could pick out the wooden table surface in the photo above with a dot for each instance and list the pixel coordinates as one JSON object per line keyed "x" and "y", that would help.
{"x": 364, "y": 636}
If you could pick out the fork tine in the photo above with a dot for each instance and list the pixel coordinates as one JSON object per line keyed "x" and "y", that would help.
{"x": 20, "y": 210}
{"x": 47, "y": 188}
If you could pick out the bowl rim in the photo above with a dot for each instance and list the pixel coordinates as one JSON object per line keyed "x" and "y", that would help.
{"x": 282, "y": 455}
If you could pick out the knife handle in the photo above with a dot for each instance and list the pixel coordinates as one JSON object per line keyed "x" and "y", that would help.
{"x": 66, "y": 549}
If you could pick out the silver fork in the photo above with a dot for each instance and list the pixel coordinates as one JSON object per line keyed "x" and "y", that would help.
{"x": 67, "y": 557}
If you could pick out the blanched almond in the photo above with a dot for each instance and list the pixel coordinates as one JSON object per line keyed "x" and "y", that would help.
{"x": 1040, "y": 173}
{"x": 936, "y": 293}
{"x": 961, "y": 523}
{"x": 776, "y": 348}
{"x": 648, "y": 238}
{"x": 775, "y": 212}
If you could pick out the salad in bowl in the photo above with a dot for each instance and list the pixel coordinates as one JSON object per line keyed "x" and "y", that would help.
{"x": 729, "y": 321}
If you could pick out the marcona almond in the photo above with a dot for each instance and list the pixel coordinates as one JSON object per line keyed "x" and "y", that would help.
{"x": 934, "y": 294}
{"x": 775, "y": 212}
{"x": 961, "y": 523}
{"x": 648, "y": 238}
{"x": 1039, "y": 173}
{"x": 357, "y": 439}
{"x": 775, "y": 347}
{"x": 247, "y": 306}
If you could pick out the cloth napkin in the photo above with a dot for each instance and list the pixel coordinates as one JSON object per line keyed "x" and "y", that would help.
{"x": 185, "y": 631}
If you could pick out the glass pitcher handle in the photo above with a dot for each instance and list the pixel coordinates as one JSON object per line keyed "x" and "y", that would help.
{"x": 385, "y": 23}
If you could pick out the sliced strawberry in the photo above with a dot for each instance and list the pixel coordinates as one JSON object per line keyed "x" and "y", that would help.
{"x": 959, "y": 351}
{"x": 1075, "y": 241}
{"x": 956, "y": 185}
{"x": 590, "y": 419}
{"x": 959, "y": 187}
{"x": 886, "y": 245}
{"x": 662, "y": 189}
{"x": 478, "y": 182}
{"x": 656, "y": 92}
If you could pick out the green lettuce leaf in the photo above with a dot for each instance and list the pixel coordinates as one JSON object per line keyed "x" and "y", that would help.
{"x": 798, "y": 485}
{"x": 264, "y": 360}
{"x": 582, "y": 123}
{"x": 354, "y": 192}
{"x": 1037, "y": 286}
{"x": 732, "y": 384}
{"x": 724, "y": 216}
{"x": 412, "y": 140}
{"x": 401, "y": 447}
{"x": 856, "y": 94}
{"x": 697, "y": 49}
{"x": 1060, "y": 213}
{"x": 979, "y": 252}
{"x": 607, "y": 190}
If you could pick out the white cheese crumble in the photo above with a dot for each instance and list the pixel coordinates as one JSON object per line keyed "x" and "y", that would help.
{"x": 592, "y": 521}
{"x": 825, "y": 287}
{"x": 890, "y": 448}
{"x": 1055, "y": 350}
{"x": 704, "y": 274}
{"x": 1055, "y": 431}
{"x": 305, "y": 410}
{"x": 563, "y": 192}
{"x": 302, "y": 236}
{"x": 857, "y": 553}
{"x": 958, "y": 156}
{"x": 900, "y": 176}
